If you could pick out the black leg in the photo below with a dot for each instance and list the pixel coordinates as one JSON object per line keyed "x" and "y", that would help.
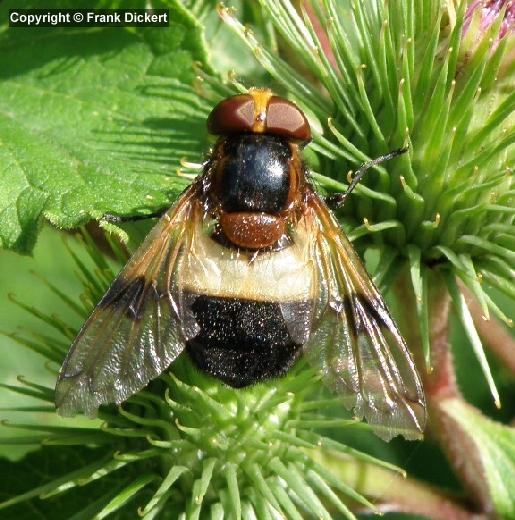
{"x": 337, "y": 200}
{"x": 134, "y": 218}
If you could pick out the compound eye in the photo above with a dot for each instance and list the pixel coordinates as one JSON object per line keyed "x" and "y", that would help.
{"x": 286, "y": 119}
{"x": 232, "y": 116}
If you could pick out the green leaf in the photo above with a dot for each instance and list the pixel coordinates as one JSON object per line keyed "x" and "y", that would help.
{"x": 32, "y": 476}
{"x": 94, "y": 120}
{"x": 494, "y": 444}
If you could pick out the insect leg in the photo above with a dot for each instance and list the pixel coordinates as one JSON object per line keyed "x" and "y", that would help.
{"x": 109, "y": 217}
{"x": 337, "y": 200}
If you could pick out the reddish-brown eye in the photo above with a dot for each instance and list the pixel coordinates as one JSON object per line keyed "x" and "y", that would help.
{"x": 285, "y": 119}
{"x": 231, "y": 116}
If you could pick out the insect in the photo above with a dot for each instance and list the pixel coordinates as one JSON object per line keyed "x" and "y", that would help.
{"x": 246, "y": 272}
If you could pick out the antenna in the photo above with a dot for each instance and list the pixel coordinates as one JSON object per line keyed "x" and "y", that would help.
{"x": 338, "y": 199}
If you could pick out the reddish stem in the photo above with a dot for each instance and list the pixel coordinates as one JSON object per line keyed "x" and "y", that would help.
{"x": 321, "y": 33}
{"x": 441, "y": 389}
{"x": 440, "y": 380}
{"x": 496, "y": 335}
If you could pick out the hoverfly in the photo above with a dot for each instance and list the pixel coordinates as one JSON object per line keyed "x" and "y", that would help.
{"x": 246, "y": 272}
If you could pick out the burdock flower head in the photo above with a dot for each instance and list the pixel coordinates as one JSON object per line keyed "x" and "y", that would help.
{"x": 489, "y": 23}
{"x": 482, "y": 14}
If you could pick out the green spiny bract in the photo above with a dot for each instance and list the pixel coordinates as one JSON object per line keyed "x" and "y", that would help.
{"x": 380, "y": 75}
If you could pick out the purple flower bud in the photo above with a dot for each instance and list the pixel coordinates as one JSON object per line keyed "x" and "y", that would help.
{"x": 489, "y": 10}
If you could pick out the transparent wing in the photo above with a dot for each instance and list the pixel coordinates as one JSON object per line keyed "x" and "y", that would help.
{"x": 135, "y": 332}
{"x": 355, "y": 342}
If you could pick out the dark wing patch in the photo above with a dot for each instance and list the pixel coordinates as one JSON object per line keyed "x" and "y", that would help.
{"x": 355, "y": 343}
{"x": 135, "y": 332}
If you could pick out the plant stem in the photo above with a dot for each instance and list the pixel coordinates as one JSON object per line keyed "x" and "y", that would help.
{"x": 392, "y": 492}
{"x": 495, "y": 334}
{"x": 441, "y": 388}
{"x": 440, "y": 379}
